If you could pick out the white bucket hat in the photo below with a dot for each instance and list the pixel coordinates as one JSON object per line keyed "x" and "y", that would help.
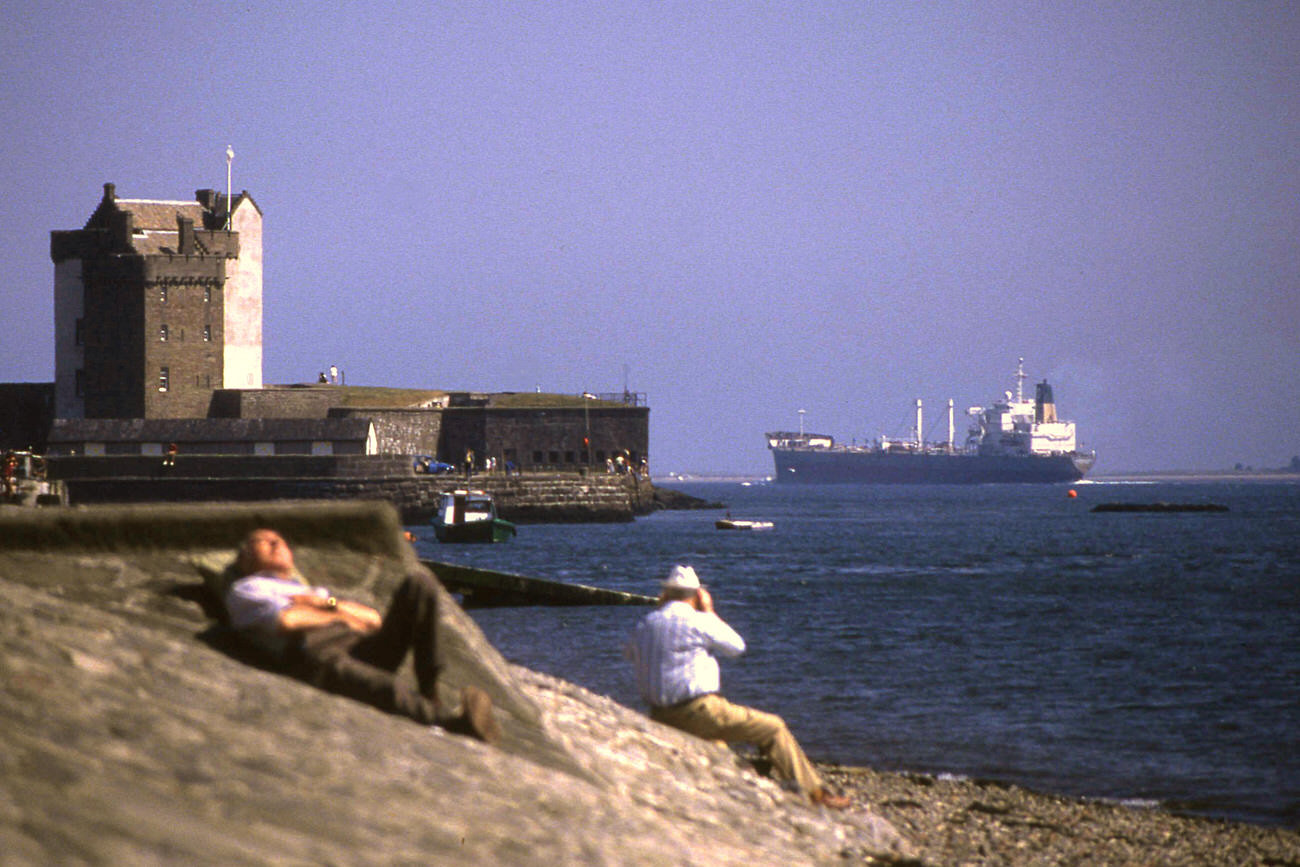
{"x": 682, "y": 578}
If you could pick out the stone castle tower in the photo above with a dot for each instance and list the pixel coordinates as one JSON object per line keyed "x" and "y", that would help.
{"x": 156, "y": 305}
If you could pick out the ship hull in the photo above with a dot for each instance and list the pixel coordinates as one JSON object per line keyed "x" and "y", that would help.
{"x": 862, "y": 466}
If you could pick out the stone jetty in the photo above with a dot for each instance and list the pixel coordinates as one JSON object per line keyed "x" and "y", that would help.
{"x": 487, "y": 588}
{"x": 133, "y": 729}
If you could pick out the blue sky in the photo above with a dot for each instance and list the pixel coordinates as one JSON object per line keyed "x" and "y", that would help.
{"x": 741, "y": 209}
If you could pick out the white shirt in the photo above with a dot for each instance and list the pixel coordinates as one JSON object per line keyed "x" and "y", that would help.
{"x": 255, "y": 601}
{"x": 672, "y": 650}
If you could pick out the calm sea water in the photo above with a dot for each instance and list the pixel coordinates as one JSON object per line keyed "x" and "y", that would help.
{"x": 1000, "y": 632}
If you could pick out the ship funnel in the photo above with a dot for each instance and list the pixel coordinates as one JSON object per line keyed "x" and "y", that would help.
{"x": 919, "y": 431}
{"x": 1044, "y": 405}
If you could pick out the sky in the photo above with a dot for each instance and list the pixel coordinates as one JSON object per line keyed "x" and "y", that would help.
{"x": 742, "y": 210}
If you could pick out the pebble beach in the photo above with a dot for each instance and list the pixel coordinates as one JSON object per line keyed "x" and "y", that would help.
{"x": 961, "y": 822}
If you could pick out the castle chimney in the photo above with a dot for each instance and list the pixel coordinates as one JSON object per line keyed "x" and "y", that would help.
{"x": 185, "y": 233}
{"x": 122, "y": 227}
{"x": 110, "y": 193}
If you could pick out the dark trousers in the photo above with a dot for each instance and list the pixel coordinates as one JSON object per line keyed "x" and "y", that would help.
{"x": 364, "y": 666}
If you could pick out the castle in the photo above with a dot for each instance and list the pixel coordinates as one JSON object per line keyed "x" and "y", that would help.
{"x": 157, "y": 304}
{"x": 158, "y": 348}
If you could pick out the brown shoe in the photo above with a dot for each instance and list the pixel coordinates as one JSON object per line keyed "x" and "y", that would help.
{"x": 823, "y": 798}
{"x": 476, "y": 718}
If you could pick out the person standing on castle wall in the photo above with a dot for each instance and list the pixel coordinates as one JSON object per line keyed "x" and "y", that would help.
{"x": 469, "y": 463}
{"x": 170, "y": 459}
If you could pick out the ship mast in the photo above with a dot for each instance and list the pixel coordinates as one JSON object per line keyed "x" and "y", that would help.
{"x": 1020, "y": 381}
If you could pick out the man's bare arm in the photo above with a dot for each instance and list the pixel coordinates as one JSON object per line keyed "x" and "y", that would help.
{"x": 308, "y": 611}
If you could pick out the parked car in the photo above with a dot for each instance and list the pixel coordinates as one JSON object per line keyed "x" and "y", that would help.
{"x": 431, "y": 465}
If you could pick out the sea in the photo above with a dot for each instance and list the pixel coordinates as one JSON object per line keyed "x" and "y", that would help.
{"x": 992, "y": 632}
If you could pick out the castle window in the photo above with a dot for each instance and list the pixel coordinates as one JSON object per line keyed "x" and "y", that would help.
{"x": 537, "y": 457}
{"x": 164, "y": 378}
{"x": 162, "y": 333}
{"x": 162, "y": 294}
{"x": 207, "y": 333}
{"x": 207, "y": 294}
{"x": 80, "y": 337}
{"x": 81, "y": 383}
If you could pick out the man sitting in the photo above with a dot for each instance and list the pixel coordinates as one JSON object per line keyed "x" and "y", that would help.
{"x": 673, "y": 650}
{"x": 346, "y": 647}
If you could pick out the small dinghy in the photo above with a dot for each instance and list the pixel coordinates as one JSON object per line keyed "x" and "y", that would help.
{"x": 741, "y": 524}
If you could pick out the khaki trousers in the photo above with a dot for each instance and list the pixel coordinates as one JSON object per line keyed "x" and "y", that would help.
{"x": 712, "y": 717}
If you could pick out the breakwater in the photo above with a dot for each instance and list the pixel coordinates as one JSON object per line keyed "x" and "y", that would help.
{"x": 526, "y": 498}
{"x": 484, "y": 588}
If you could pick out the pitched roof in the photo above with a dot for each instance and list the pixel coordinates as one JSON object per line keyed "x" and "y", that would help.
{"x": 160, "y": 214}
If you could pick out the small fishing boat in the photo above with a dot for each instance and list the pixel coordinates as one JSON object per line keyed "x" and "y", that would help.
{"x": 742, "y": 524}
{"x": 469, "y": 516}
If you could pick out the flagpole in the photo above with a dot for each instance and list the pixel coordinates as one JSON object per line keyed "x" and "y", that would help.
{"x": 230, "y": 157}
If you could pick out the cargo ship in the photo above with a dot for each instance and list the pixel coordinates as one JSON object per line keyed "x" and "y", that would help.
{"x": 1013, "y": 441}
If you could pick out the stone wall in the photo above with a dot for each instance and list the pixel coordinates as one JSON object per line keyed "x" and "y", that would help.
{"x": 401, "y": 431}
{"x": 242, "y": 300}
{"x": 113, "y": 331}
{"x": 184, "y": 296}
{"x": 233, "y": 467}
{"x": 290, "y": 402}
{"x": 549, "y": 438}
{"x": 528, "y": 498}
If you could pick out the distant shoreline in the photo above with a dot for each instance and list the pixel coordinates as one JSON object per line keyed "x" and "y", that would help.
{"x": 1285, "y": 475}
{"x": 1198, "y": 476}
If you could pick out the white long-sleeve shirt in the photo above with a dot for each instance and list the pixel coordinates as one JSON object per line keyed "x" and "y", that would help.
{"x": 673, "y": 650}
{"x": 254, "y": 603}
